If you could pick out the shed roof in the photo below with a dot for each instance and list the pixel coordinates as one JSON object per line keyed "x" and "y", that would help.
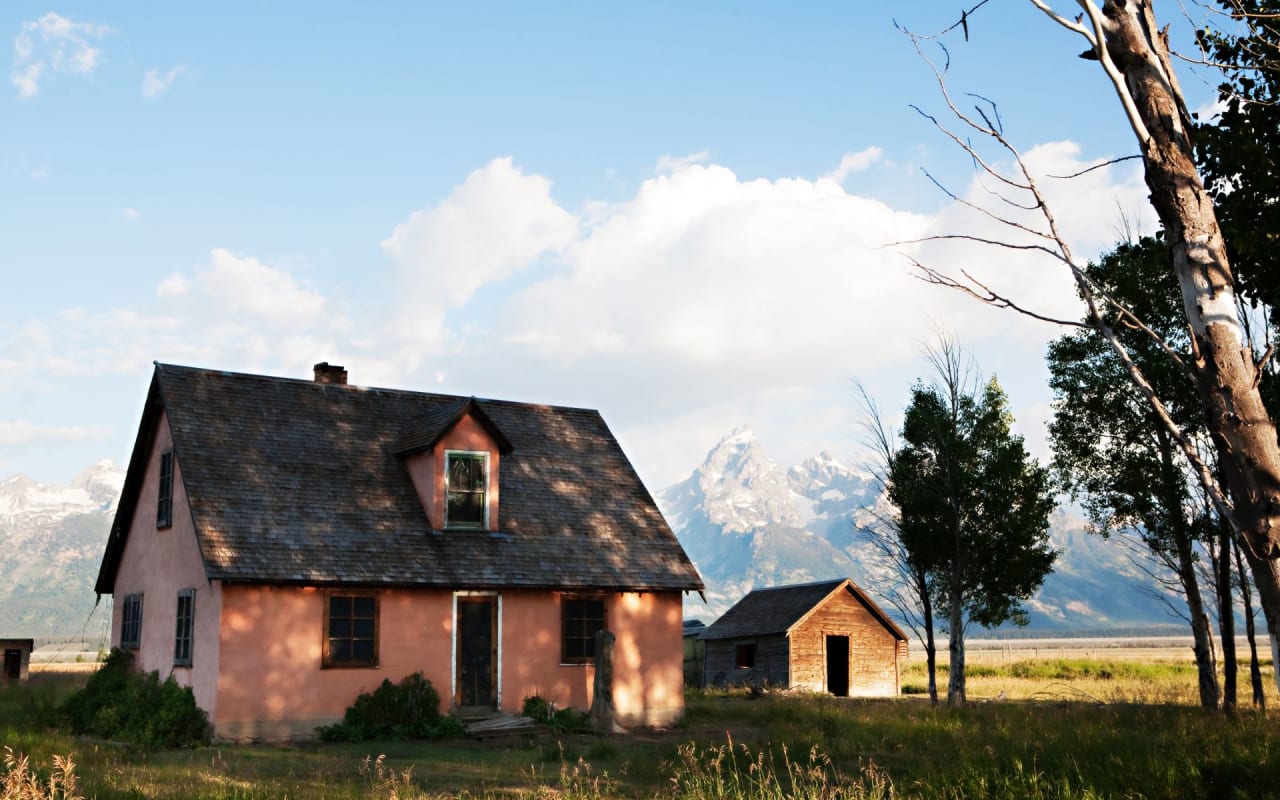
{"x": 776, "y": 610}
{"x": 293, "y": 481}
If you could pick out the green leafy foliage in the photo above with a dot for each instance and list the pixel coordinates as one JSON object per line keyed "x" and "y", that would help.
{"x": 122, "y": 704}
{"x": 407, "y": 710}
{"x": 974, "y": 506}
{"x": 563, "y": 720}
{"x": 1238, "y": 152}
{"x": 1110, "y": 449}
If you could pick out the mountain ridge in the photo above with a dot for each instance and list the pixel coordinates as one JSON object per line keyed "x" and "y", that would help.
{"x": 748, "y": 523}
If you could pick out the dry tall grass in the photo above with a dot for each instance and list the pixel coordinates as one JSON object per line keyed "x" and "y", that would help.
{"x": 21, "y": 782}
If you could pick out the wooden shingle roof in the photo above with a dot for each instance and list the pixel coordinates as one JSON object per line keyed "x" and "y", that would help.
{"x": 293, "y": 481}
{"x": 768, "y": 612}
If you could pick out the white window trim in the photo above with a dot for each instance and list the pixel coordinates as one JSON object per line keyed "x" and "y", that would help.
{"x": 488, "y": 486}
{"x": 453, "y": 646}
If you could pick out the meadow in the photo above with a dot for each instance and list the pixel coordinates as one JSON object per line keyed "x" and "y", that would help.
{"x": 1037, "y": 728}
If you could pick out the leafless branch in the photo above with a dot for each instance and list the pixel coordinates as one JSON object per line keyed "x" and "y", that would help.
{"x": 1095, "y": 300}
{"x": 985, "y": 295}
{"x": 1095, "y": 166}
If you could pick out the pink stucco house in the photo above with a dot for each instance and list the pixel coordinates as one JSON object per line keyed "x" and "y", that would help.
{"x": 283, "y": 545}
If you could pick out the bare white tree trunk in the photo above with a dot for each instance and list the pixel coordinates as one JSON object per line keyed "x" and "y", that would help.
{"x": 1134, "y": 52}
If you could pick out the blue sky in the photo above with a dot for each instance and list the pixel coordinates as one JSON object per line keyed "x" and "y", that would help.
{"x": 640, "y": 208}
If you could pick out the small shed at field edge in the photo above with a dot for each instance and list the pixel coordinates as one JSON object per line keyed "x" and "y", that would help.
{"x": 822, "y": 637}
{"x": 17, "y": 657}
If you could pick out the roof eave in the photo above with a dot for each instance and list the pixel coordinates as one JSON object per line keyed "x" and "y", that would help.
{"x": 132, "y": 488}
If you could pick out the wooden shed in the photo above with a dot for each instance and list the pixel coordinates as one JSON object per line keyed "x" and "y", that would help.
{"x": 17, "y": 659}
{"x": 822, "y": 637}
{"x": 694, "y": 652}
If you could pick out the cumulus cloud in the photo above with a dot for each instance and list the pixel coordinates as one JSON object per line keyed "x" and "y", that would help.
{"x": 235, "y": 310}
{"x": 54, "y": 44}
{"x": 497, "y": 223}
{"x": 855, "y": 162}
{"x": 155, "y": 83}
{"x": 701, "y": 301}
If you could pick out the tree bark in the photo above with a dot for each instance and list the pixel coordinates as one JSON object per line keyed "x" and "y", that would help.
{"x": 1266, "y": 579}
{"x": 955, "y": 672}
{"x": 603, "y": 715}
{"x": 1226, "y": 619}
{"x": 931, "y": 644}
{"x": 1202, "y": 645}
{"x": 1222, "y": 360}
{"x": 1255, "y": 669}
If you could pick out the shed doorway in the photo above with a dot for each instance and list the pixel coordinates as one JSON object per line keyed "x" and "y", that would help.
{"x": 477, "y": 653}
{"x": 838, "y": 665}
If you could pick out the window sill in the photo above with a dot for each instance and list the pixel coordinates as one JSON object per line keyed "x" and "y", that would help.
{"x": 350, "y": 666}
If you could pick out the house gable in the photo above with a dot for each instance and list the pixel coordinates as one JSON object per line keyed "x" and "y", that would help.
{"x": 429, "y": 446}
{"x": 860, "y": 597}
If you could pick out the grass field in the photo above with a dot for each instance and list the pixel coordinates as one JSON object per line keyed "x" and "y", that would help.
{"x": 1067, "y": 728}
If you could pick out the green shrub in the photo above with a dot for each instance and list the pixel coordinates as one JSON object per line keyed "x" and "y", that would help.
{"x": 537, "y": 707}
{"x": 407, "y": 710}
{"x": 570, "y": 720}
{"x": 122, "y": 704}
{"x": 564, "y": 720}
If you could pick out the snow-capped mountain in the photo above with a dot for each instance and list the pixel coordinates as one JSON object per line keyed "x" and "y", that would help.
{"x": 746, "y": 522}
{"x": 24, "y": 501}
{"x": 51, "y": 541}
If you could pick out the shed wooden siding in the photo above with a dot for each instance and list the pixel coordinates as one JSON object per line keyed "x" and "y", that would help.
{"x": 874, "y": 654}
{"x": 771, "y": 666}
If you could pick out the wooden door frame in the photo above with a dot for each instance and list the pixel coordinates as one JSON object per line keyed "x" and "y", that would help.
{"x": 455, "y": 651}
{"x": 5, "y": 677}
{"x": 848, "y": 662}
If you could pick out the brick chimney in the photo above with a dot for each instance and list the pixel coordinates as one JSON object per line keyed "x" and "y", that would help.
{"x": 330, "y": 373}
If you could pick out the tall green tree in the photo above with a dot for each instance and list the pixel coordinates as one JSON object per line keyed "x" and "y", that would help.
{"x": 1112, "y": 452}
{"x": 908, "y": 585}
{"x": 1238, "y": 150}
{"x": 973, "y": 505}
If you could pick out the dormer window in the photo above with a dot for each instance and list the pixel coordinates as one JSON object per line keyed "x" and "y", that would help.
{"x": 466, "y": 484}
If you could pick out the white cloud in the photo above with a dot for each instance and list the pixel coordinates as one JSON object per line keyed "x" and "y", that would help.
{"x": 131, "y": 215}
{"x": 50, "y": 44}
{"x": 22, "y": 434}
{"x": 700, "y": 302}
{"x": 27, "y": 80}
{"x": 667, "y": 164}
{"x": 244, "y": 288}
{"x": 493, "y": 226}
{"x": 155, "y": 84}
{"x": 855, "y": 162}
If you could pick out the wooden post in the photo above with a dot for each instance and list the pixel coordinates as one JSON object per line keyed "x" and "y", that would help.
{"x": 602, "y": 711}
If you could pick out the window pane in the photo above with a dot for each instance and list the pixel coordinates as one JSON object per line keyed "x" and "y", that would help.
{"x": 352, "y": 631}
{"x": 466, "y": 508}
{"x": 573, "y": 649}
